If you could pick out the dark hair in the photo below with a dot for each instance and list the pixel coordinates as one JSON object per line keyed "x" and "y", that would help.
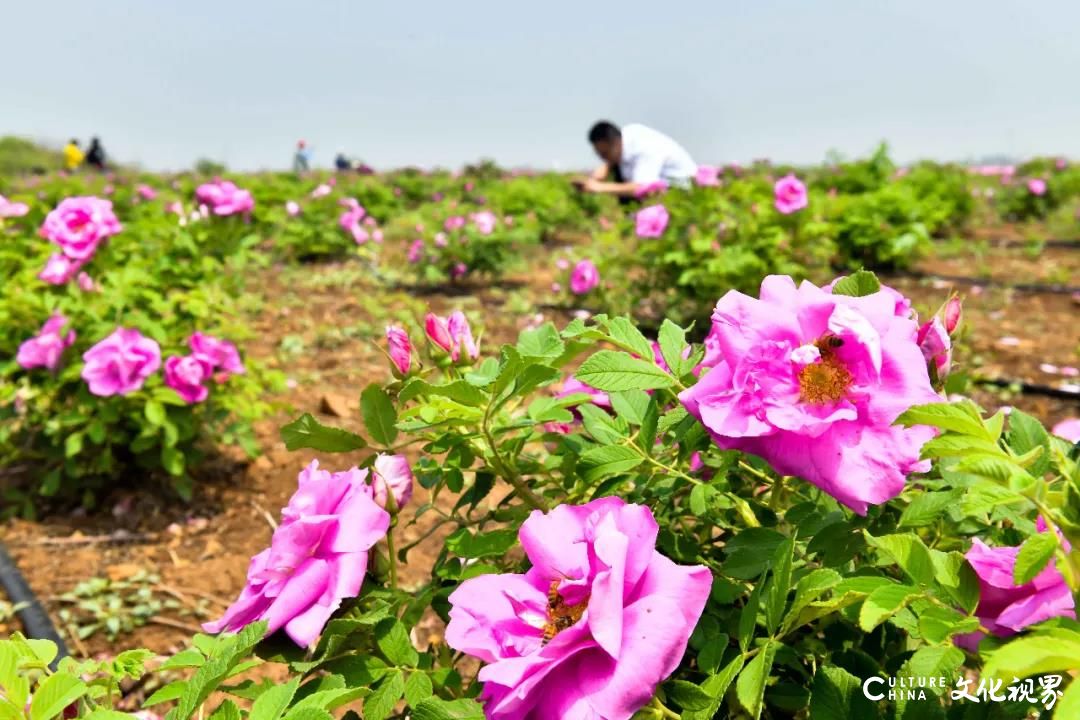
{"x": 604, "y": 130}
{"x": 74, "y": 142}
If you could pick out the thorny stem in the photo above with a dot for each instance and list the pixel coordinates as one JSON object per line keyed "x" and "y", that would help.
{"x": 511, "y": 475}
{"x": 390, "y": 550}
{"x": 663, "y": 711}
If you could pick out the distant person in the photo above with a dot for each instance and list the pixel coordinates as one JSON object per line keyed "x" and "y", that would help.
{"x": 635, "y": 157}
{"x": 342, "y": 163}
{"x": 73, "y": 155}
{"x": 301, "y": 158}
{"x": 95, "y": 155}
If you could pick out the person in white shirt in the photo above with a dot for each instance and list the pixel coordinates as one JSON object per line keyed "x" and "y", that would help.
{"x": 635, "y": 157}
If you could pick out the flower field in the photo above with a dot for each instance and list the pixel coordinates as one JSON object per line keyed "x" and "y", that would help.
{"x": 465, "y": 445}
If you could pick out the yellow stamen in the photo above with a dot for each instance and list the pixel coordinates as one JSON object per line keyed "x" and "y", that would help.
{"x": 824, "y": 382}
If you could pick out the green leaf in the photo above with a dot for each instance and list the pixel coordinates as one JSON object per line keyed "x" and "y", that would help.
{"x": 750, "y": 687}
{"x": 858, "y": 284}
{"x": 272, "y": 703}
{"x": 937, "y": 623}
{"x": 688, "y": 695}
{"x": 604, "y": 428}
{"x": 380, "y": 703}
{"x": 155, "y": 412}
{"x": 438, "y": 709}
{"x": 542, "y": 343}
{"x": 379, "y": 415}
{"x": 630, "y": 405}
{"x": 227, "y": 653}
{"x": 885, "y": 602}
{"x": 936, "y": 661}
{"x": 779, "y": 585}
{"x": 809, "y": 588}
{"x": 166, "y": 693}
{"x": 307, "y": 432}
{"x": 1033, "y": 556}
{"x": 459, "y": 391}
{"x": 909, "y": 553}
{"x": 494, "y": 543}
{"x": 955, "y": 445}
{"x": 748, "y": 616}
{"x": 1025, "y": 435}
{"x": 54, "y": 694}
{"x": 626, "y": 335}
{"x": 717, "y": 686}
{"x": 1036, "y": 654}
{"x": 959, "y": 417}
{"x": 172, "y": 460}
{"x": 927, "y": 507}
{"x": 227, "y": 710}
{"x": 837, "y": 695}
{"x": 418, "y": 688}
{"x": 393, "y": 639}
{"x": 612, "y": 371}
{"x": 73, "y": 444}
{"x": 600, "y": 462}
{"x": 672, "y": 340}
{"x": 185, "y": 658}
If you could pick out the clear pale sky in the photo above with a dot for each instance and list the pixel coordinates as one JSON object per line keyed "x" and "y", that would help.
{"x": 434, "y": 83}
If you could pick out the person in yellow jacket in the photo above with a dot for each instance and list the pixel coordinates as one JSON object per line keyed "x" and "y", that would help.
{"x": 73, "y": 156}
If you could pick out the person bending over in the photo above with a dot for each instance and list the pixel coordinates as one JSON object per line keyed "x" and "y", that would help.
{"x": 635, "y": 157}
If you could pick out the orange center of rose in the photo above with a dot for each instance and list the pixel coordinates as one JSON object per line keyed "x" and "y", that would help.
{"x": 826, "y": 381}
{"x": 561, "y": 615}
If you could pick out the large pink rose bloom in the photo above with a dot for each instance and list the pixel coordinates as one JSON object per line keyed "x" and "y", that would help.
{"x": 1005, "y": 608}
{"x": 584, "y": 278}
{"x": 616, "y": 612}
{"x": 225, "y": 197}
{"x": 120, "y": 363}
{"x": 651, "y": 221}
{"x": 187, "y": 375}
{"x": 484, "y": 221}
{"x": 45, "y": 348}
{"x": 79, "y": 224}
{"x": 812, "y": 382}
{"x": 317, "y": 557}
{"x": 219, "y": 354}
{"x": 789, "y": 194}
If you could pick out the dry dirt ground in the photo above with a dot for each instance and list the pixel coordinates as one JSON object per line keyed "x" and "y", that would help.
{"x": 319, "y": 323}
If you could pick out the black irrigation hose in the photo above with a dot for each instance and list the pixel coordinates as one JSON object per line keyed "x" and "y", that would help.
{"x": 35, "y": 620}
{"x": 1030, "y": 388}
{"x": 1055, "y": 288}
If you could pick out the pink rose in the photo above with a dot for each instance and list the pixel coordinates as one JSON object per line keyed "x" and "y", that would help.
{"x": 651, "y": 221}
{"x": 187, "y": 375}
{"x": 1004, "y": 607}
{"x": 616, "y": 613}
{"x": 86, "y": 283}
{"x": 707, "y": 176}
{"x": 812, "y": 382}
{"x": 400, "y": 349}
{"x": 318, "y": 556}
{"x": 218, "y": 354}
{"x": 392, "y": 472}
{"x": 145, "y": 191}
{"x": 292, "y": 208}
{"x": 655, "y": 187}
{"x": 1036, "y": 186}
{"x": 10, "y": 208}
{"x": 789, "y": 194}
{"x": 584, "y": 278}
{"x": 452, "y": 335}
{"x": 79, "y": 224}
{"x": 225, "y": 198}
{"x": 485, "y": 222}
{"x": 121, "y": 363}
{"x": 1068, "y": 429}
{"x": 45, "y": 348}
{"x": 59, "y": 269}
